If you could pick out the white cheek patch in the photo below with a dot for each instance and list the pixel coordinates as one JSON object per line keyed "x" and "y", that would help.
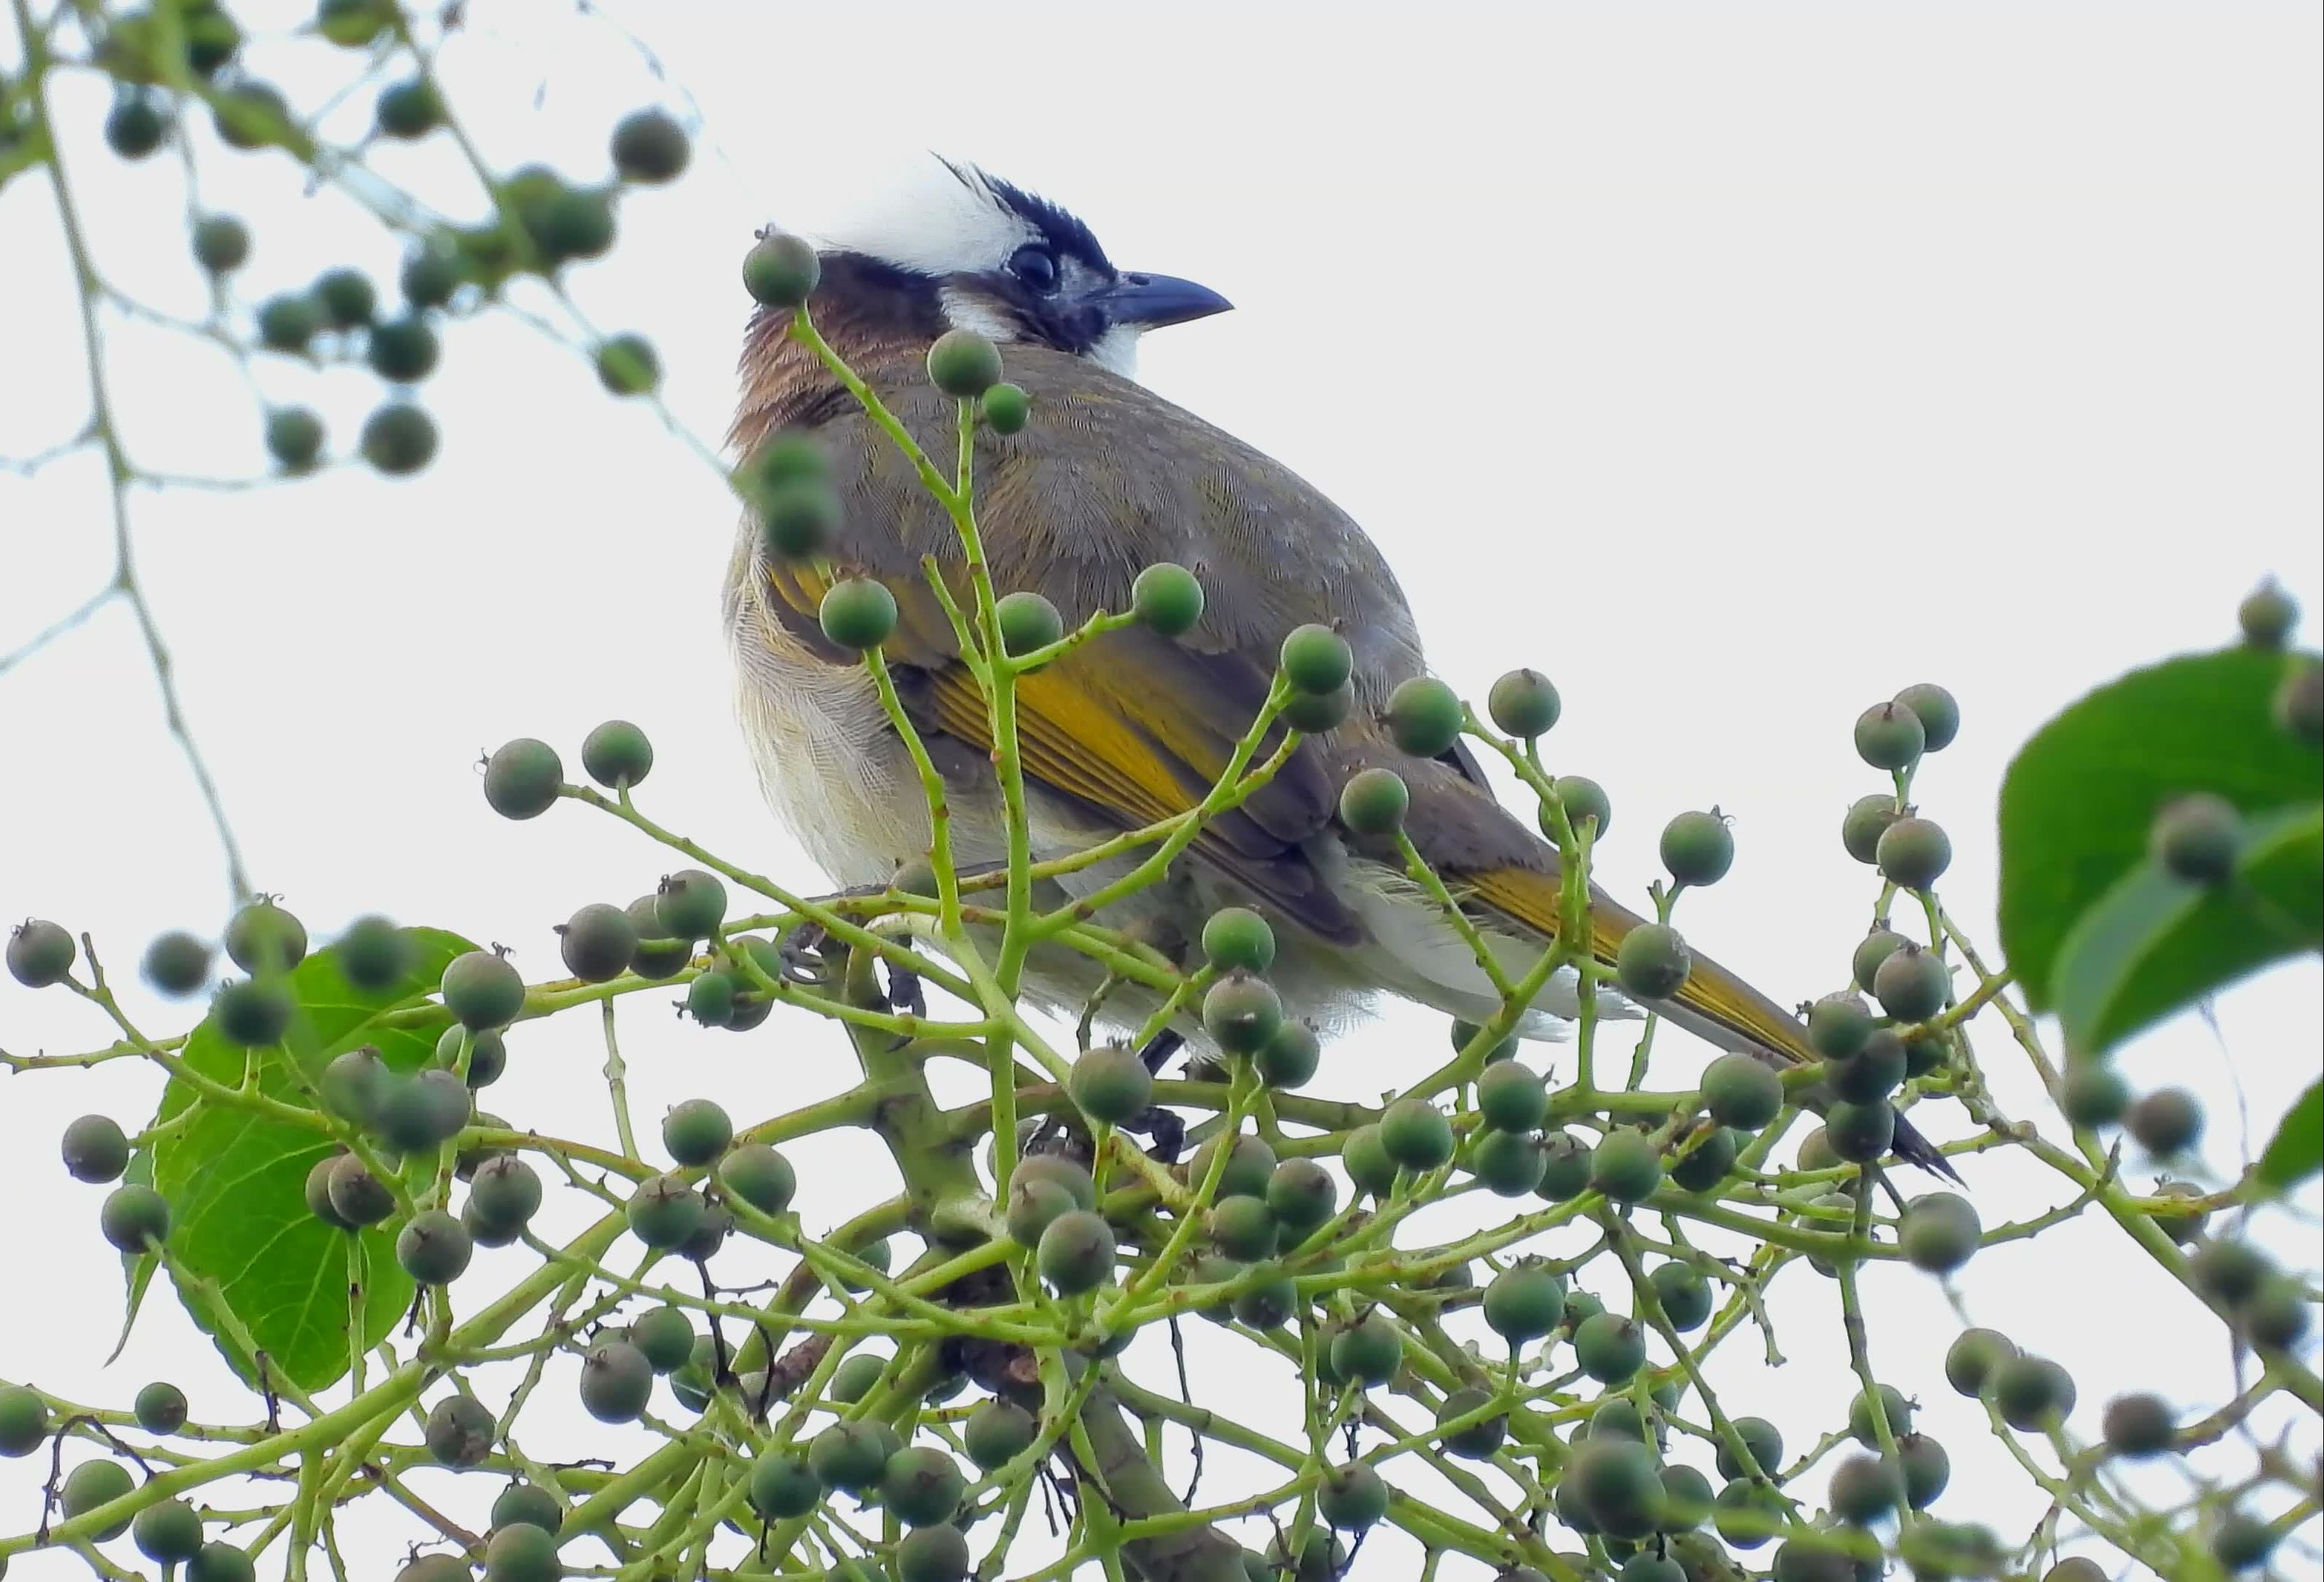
{"x": 938, "y": 221}
{"x": 1116, "y": 350}
{"x": 967, "y": 310}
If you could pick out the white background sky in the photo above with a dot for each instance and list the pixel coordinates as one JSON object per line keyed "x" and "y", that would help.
{"x": 1735, "y": 366}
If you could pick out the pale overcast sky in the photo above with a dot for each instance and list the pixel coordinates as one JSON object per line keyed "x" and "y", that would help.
{"x": 1736, "y": 366}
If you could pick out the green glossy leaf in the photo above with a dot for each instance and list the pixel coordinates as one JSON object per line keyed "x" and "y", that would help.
{"x": 2154, "y": 944}
{"x": 236, "y": 1180}
{"x": 2081, "y": 796}
{"x": 2297, "y": 1151}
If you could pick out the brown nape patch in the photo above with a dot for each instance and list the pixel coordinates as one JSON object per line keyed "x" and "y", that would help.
{"x": 872, "y": 314}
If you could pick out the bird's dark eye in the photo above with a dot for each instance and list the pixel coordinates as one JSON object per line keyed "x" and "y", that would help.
{"x": 1037, "y": 266}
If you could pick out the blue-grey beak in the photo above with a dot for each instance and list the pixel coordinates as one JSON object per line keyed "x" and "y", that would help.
{"x": 1151, "y": 302}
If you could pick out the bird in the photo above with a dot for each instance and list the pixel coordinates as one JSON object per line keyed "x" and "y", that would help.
{"x": 1105, "y": 478}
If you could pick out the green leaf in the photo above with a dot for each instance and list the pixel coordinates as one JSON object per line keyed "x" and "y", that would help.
{"x": 2156, "y": 944}
{"x": 236, "y": 1180}
{"x": 2081, "y": 796}
{"x": 136, "y": 1268}
{"x": 2298, "y": 1150}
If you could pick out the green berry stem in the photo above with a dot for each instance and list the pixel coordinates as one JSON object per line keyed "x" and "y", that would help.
{"x": 104, "y": 428}
{"x": 617, "y": 1086}
{"x": 1416, "y": 868}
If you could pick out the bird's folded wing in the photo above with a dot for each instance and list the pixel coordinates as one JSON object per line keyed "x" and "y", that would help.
{"x": 1133, "y": 725}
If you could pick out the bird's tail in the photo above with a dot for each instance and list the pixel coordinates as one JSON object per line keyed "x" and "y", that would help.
{"x": 1714, "y": 1003}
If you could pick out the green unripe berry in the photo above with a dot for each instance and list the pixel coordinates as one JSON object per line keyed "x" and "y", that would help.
{"x": 2166, "y": 1122}
{"x": 1523, "y": 703}
{"x": 1652, "y": 961}
{"x": 1302, "y": 1195}
{"x": 597, "y": 942}
{"x": 1479, "y": 1440}
{"x": 522, "y": 779}
{"x": 1912, "y": 984}
{"x": 1762, "y": 1439}
{"x": 690, "y": 904}
{"x": 374, "y": 955}
{"x": 1626, "y": 1166}
{"x": 2197, "y": 838}
{"x": 696, "y": 1132}
{"x": 1167, "y": 597}
{"x": 963, "y": 364}
{"x": 2138, "y": 1425}
{"x": 1706, "y": 1164}
{"x": 758, "y": 1176}
{"x": 506, "y": 1192}
{"x": 522, "y": 1553}
{"x": 617, "y": 753}
{"x": 526, "y": 1505}
{"x": 1584, "y": 799}
{"x": 1508, "y": 1164}
{"x": 40, "y": 953}
{"x": 2030, "y": 1389}
{"x": 938, "y": 1553}
{"x": 347, "y": 298}
{"x": 1317, "y": 660}
{"x": 1876, "y": 947}
{"x": 1524, "y": 1303}
{"x": 1369, "y": 1352}
{"x": 434, "y": 1248}
{"x": 1074, "y": 1178}
{"x": 1006, "y": 407}
{"x": 417, "y": 1113}
{"x": 1566, "y": 1162}
{"x": 1866, "y": 820}
{"x": 95, "y": 1150}
{"x": 783, "y": 1486}
{"x": 798, "y": 518}
{"x": 286, "y": 323}
{"x": 1511, "y": 1097}
{"x": 1290, "y": 1058}
{"x": 221, "y": 244}
{"x": 265, "y": 937}
{"x": 996, "y": 1432}
{"x": 664, "y": 1212}
{"x": 23, "y": 1421}
{"x": 1374, "y": 801}
{"x": 857, "y": 1377}
{"x": 2275, "y": 1316}
{"x": 294, "y": 439}
{"x": 1939, "y": 1232}
{"x": 1684, "y": 1295}
{"x": 93, "y": 1484}
{"x": 1242, "y": 1013}
{"x": 1859, "y": 1133}
{"x": 1914, "y": 853}
{"x": 160, "y": 1408}
{"x": 922, "y": 1486}
{"x": 1032, "y": 1206}
{"x": 2230, "y": 1271}
{"x": 2241, "y": 1543}
{"x": 1027, "y": 622}
{"x": 1238, "y": 940}
{"x": 403, "y": 351}
{"x": 1366, "y": 1158}
{"x": 2092, "y": 1095}
{"x": 409, "y": 110}
{"x": 1938, "y": 712}
{"x": 132, "y": 1216}
{"x": 858, "y": 614}
{"x": 1111, "y": 1084}
{"x": 1615, "y": 1485}
{"x": 781, "y": 272}
{"x": 650, "y": 146}
{"x": 1890, "y": 736}
{"x": 429, "y": 277}
{"x": 458, "y": 1431}
{"x": 176, "y": 963}
{"x": 1874, "y": 1071}
{"x": 481, "y": 990}
{"x": 616, "y": 1382}
{"x": 850, "y": 1455}
{"x": 1610, "y": 1347}
{"x": 398, "y": 438}
{"x": 354, "y": 1195}
{"x": 1314, "y": 713}
{"x": 2267, "y": 617}
{"x": 1424, "y": 717}
{"x": 1076, "y": 1252}
{"x": 1839, "y": 1026}
{"x": 1351, "y": 1497}
{"x": 1417, "y": 1134}
{"x": 1698, "y": 848}
{"x": 2298, "y": 706}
